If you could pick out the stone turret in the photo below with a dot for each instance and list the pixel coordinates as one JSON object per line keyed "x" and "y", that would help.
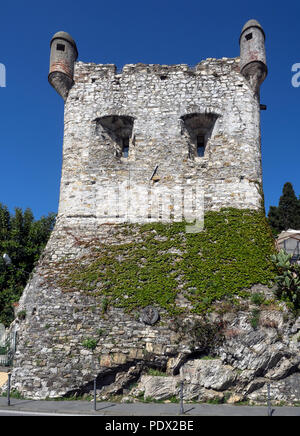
{"x": 253, "y": 54}
{"x": 62, "y": 58}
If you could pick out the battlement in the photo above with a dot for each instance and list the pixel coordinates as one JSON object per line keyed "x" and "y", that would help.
{"x": 84, "y": 71}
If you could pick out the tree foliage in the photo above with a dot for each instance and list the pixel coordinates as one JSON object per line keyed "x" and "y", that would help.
{"x": 287, "y": 214}
{"x": 23, "y": 239}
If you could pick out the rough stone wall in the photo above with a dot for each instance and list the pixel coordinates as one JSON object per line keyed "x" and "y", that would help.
{"x": 97, "y": 183}
{"x": 51, "y": 359}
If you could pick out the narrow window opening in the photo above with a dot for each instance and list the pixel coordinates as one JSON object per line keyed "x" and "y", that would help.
{"x": 198, "y": 128}
{"x": 249, "y": 36}
{"x": 163, "y": 77}
{"x": 200, "y": 145}
{"x": 119, "y": 130}
{"x": 60, "y": 47}
{"x": 125, "y": 147}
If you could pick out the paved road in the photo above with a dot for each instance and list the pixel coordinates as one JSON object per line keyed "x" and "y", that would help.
{"x": 137, "y": 409}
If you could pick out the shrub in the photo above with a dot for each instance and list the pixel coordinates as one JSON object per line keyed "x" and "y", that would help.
{"x": 21, "y": 315}
{"x": 90, "y": 343}
{"x": 257, "y": 298}
{"x": 204, "y": 336}
{"x": 288, "y": 279}
{"x": 254, "y": 320}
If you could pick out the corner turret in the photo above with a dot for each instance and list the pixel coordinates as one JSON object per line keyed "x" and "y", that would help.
{"x": 253, "y": 54}
{"x": 63, "y": 55}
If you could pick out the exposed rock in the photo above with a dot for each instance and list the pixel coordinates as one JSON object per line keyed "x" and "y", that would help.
{"x": 210, "y": 374}
{"x": 286, "y": 390}
{"x": 296, "y": 326}
{"x": 283, "y": 368}
{"x": 258, "y": 350}
{"x": 235, "y": 398}
{"x": 206, "y": 395}
{"x": 158, "y": 387}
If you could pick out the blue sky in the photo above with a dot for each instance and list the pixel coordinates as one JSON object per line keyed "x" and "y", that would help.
{"x": 121, "y": 32}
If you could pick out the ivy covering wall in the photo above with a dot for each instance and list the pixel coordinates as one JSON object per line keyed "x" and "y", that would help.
{"x": 230, "y": 255}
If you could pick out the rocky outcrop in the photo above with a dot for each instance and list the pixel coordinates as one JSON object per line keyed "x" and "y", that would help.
{"x": 237, "y": 368}
{"x": 249, "y": 360}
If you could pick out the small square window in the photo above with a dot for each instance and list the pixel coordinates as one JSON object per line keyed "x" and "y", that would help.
{"x": 60, "y": 47}
{"x": 249, "y": 36}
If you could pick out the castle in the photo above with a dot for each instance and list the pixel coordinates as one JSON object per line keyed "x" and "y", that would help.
{"x": 152, "y": 143}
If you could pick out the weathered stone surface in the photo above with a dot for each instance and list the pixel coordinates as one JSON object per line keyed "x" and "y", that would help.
{"x": 286, "y": 390}
{"x": 149, "y": 315}
{"x": 257, "y": 350}
{"x": 296, "y": 326}
{"x": 229, "y": 173}
{"x": 51, "y": 361}
{"x": 158, "y": 387}
{"x": 284, "y": 367}
{"x": 210, "y": 374}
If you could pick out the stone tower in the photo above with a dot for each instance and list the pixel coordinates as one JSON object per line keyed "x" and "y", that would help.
{"x": 150, "y": 143}
{"x": 158, "y": 142}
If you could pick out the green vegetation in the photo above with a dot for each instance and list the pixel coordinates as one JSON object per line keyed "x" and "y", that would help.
{"x": 254, "y": 320}
{"x": 205, "y": 336}
{"x": 209, "y": 357}
{"x": 288, "y": 279}
{"x": 21, "y": 314}
{"x": 3, "y": 350}
{"x": 156, "y": 372}
{"x": 90, "y": 343}
{"x": 287, "y": 214}
{"x": 258, "y": 298}
{"x": 229, "y": 256}
{"x": 23, "y": 239}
